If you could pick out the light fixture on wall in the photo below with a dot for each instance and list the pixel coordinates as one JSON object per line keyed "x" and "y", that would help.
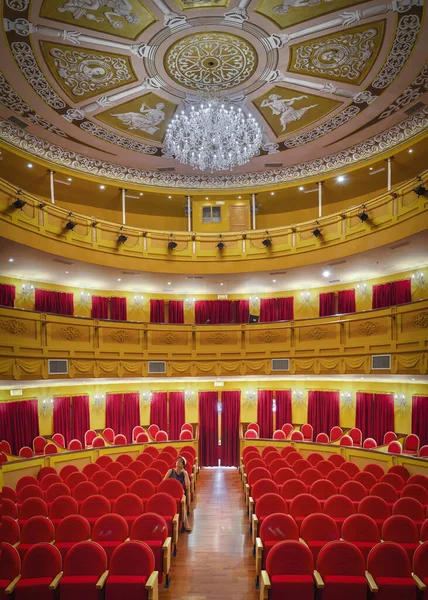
{"x": 362, "y": 288}
{"x": 146, "y": 397}
{"x": 47, "y": 406}
{"x": 363, "y": 216}
{"x": 418, "y": 278}
{"x": 189, "y": 302}
{"x": 27, "y": 289}
{"x": 172, "y": 244}
{"x": 99, "y": 400}
{"x": 298, "y": 395}
{"x": 19, "y": 204}
{"x": 70, "y": 225}
{"x": 250, "y": 395}
{"x": 306, "y": 297}
{"x": 138, "y": 300}
{"x": 274, "y": 405}
{"x": 219, "y": 407}
{"x": 317, "y": 231}
{"x": 189, "y": 395}
{"x": 85, "y": 297}
{"x": 346, "y": 398}
{"x": 400, "y": 400}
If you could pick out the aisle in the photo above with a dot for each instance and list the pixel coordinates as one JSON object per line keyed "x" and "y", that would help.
{"x": 219, "y": 547}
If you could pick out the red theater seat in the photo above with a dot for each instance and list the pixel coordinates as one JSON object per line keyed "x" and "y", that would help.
{"x": 40, "y": 570}
{"x": 337, "y": 460}
{"x": 420, "y": 569}
{"x": 35, "y": 530}
{"x": 375, "y": 470}
{"x": 62, "y": 507}
{"x": 314, "y": 458}
{"x": 386, "y": 492}
{"x": 362, "y": 531}
{"x": 124, "y": 459}
{"x": 376, "y": 508}
{"x": 110, "y": 531}
{"x": 266, "y": 505}
{"x": 403, "y": 531}
{"x": 336, "y": 433}
{"x": 412, "y": 508}
{"x": 275, "y": 528}
{"x": 84, "y": 572}
{"x": 109, "y": 435}
{"x": 9, "y": 530}
{"x": 128, "y": 506}
{"x": 90, "y": 436}
{"x": 283, "y": 475}
{"x": 354, "y": 491}
{"x": 317, "y": 530}
{"x": 289, "y": 572}
{"x": 418, "y": 480}
{"x": 67, "y": 470}
{"x": 390, "y": 567}
{"x": 302, "y": 506}
{"x": 308, "y": 432}
{"x": 131, "y": 573}
{"x": 70, "y": 530}
{"x": 153, "y": 530}
{"x": 112, "y": 490}
{"x": 165, "y": 506}
{"x": 100, "y": 478}
{"x": 49, "y": 480}
{"x": 90, "y": 469}
{"x": 292, "y": 488}
{"x": 104, "y": 460}
{"x": 342, "y": 569}
{"x": 94, "y": 507}
{"x": 10, "y": 567}
{"x": 338, "y": 508}
{"x": 366, "y": 479}
{"x": 144, "y": 489}
{"x": 322, "y": 438}
{"x": 26, "y": 480}
{"x": 46, "y": 471}
{"x": 55, "y": 491}
{"x": 32, "y": 507}
{"x": 395, "y": 447}
{"x": 29, "y": 491}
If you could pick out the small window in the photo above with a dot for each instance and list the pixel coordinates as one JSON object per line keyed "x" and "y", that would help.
{"x": 211, "y": 214}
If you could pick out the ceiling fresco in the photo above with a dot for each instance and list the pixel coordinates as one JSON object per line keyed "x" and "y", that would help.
{"x": 91, "y": 85}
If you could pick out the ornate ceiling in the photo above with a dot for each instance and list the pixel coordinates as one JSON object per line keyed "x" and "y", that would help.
{"x": 90, "y": 85}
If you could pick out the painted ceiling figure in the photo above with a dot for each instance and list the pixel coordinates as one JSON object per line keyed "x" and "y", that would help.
{"x": 282, "y": 9}
{"x": 146, "y": 120}
{"x": 284, "y": 107}
{"x": 118, "y": 9}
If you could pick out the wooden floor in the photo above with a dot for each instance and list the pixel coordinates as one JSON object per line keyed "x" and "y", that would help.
{"x": 215, "y": 561}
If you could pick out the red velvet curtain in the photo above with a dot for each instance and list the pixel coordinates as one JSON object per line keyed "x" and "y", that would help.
{"x": 176, "y": 311}
{"x": 7, "y": 294}
{"x": 59, "y": 303}
{"x": 265, "y": 413}
{"x": 131, "y": 414}
{"x": 420, "y": 418}
{"x": 285, "y": 309}
{"x": 327, "y": 302}
{"x": 242, "y": 311}
{"x": 268, "y": 310}
{"x": 157, "y": 311}
{"x": 230, "y": 420}
{"x": 176, "y": 414}
{"x": 213, "y": 311}
{"x": 80, "y": 417}
{"x": 99, "y": 308}
{"x": 19, "y": 423}
{"x": 62, "y": 417}
{"x": 114, "y": 412}
{"x": 158, "y": 410}
{"x": 208, "y": 429}
{"x": 364, "y": 414}
{"x": 283, "y": 407}
{"x": 346, "y": 301}
{"x": 323, "y": 411}
{"x": 118, "y": 309}
{"x": 383, "y": 416}
{"x": 390, "y": 294}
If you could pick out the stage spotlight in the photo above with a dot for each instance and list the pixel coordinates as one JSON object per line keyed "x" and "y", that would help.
{"x": 172, "y": 245}
{"x": 420, "y": 190}
{"x": 122, "y": 238}
{"x": 19, "y": 203}
{"x": 316, "y": 232}
{"x": 363, "y": 216}
{"x": 220, "y": 245}
{"x": 267, "y": 242}
{"x": 70, "y": 224}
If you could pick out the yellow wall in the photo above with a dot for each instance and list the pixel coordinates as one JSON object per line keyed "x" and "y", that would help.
{"x": 248, "y": 406}
{"x": 302, "y": 310}
{"x": 224, "y": 225}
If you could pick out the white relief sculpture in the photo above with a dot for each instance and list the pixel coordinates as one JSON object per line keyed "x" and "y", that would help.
{"x": 146, "y": 120}
{"x": 284, "y": 107}
{"x": 113, "y": 10}
{"x": 282, "y": 9}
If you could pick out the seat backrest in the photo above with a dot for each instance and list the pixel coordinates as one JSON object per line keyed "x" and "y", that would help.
{"x": 292, "y": 488}
{"x": 151, "y": 450}
{"x": 353, "y": 490}
{"x": 32, "y": 507}
{"x": 113, "y": 489}
{"x": 46, "y": 471}
{"x": 120, "y": 439}
{"x": 389, "y": 437}
{"x": 278, "y": 463}
{"x": 394, "y": 480}
{"x": 420, "y": 561}
{"x": 162, "y": 504}
{"x": 325, "y": 467}
{"x": 288, "y": 450}
{"x": 149, "y": 526}
{"x": 39, "y": 443}
{"x": 254, "y": 427}
{"x": 127, "y": 477}
{"x": 309, "y": 476}
{"x": 152, "y": 475}
{"x": 283, "y": 475}
{"x": 366, "y": 479}
{"x": 5, "y": 447}
{"x": 287, "y": 428}
{"x": 308, "y": 431}
{"x": 336, "y": 433}
{"x": 153, "y": 429}
{"x": 261, "y": 487}
{"x": 128, "y": 505}
{"x": 84, "y": 489}
{"x": 250, "y": 456}
{"x": 322, "y": 438}
{"x": 338, "y": 477}
{"x": 137, "y": 467}
{"x": 289, "y": 557}
{"x": 8, "y": 492}
{"x": 171, "y": 487}
{"x": 26, "y": 480}
{"x": 85, "y": 559}
{"x": 374, "y": 507}
{"x": 388, "y": 559}
{"x": 9, "y": 508}
{"x": 136, "y": 431}
{"x": 101, "y": 477}
{"x": 314, "y": 458}
{"x": 73, "y": 528}
{"x": 143, "y": 488}
{"x": 412, "y": 443}
{"x": 360, "y": 528}
{"x": 49, "y": 480}
{"x": 356, "y": 435}
{"x": 395, "y": 447}
{"x": 62, "y": 507}
{"x": 418, "y": 480}
{"x": 9, "y": 530}
{"x": 423, "y": 452}
{"x": 104, "y": 460}
{"x": 132, "y": 559}
{"x": 401, "y": 471}
{"x": 369, "y": 443}
{"x": 161, "y": 466}
{"x": 270, "y": 457}
{"x": 258, "y": 473}
{"x": 301, "y": 465}
{"x": 67, "y": 470}
{"x": 346, "y": 440}
{"x": 109, "y": 434}
{"x": 375, "y": 470}
{"x": 339, "y": 507}
{"x": 110, "y": 528}
{"x": 304, "y": 505}
{"x": 37, "y": 529}
{"x": 323, "y": 489}
{"x": 251, "y": 434}
{"x": 58, "y": 438}
{"x": 319, "y": 527}
{"x": 247, "y": 449}
{"x": 99, "y": 443}
{"x": 351, "y": 468}
{"x": 90, "y": 469}
{"x": 75, "y": 445}
{"x": 337, "y": 460}
{"x": 186, "y": 435}
{"x": 90, "y": 435}
{"x": 385, "y": 491}
{"x": 400, "y": 529}
{"x": 41, "y": 560}
{"x": 277, "y": 527}
{"x": 56, "y": 490}
{"x": 114, "y": 468}
{"x": 95, "y": 506}
{"x": 410, "y": 507}
{"x": 29, "y": 491}
{"x": 75, "y": 478}
{"x": 297, "y": 436}
{"x": 10, "y": 562}
{"x": 270, "y": 503}
{"x": 278, "y": 435}
{"x": 26, "y": 452}
{"x": 187, "y": 427}
{"x": 340, "y": 558}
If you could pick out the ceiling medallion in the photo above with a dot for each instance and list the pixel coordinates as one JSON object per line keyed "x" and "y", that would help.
{"x": 213, "y": 135}
{"x": 211, "y": 61}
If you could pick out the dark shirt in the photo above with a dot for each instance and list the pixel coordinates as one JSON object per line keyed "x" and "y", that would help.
{"x": 178, "y": 477}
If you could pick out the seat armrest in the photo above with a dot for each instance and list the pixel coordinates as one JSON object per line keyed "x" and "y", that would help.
{"x": 419, "y": 582}
{"x": 16, "y": 545}
{"x": 11, "y": 587}
{"x": 250, "y": 506}
{"x": 101, "y": 581}
{"x": 55, "y": 582}
{"x": 255, "y": 527}
{"x": 183, "y": 508}
{"x": 166, "y": 555}
{"x": 302, "y": 541}
{"x": 318, "y": 580}
{"x": 264, "y": 585}
{"x": 259, "y": 555}
{"x": 175, "y": 525}
{"x": 152, "y": 586}
{"x": 372, "y": 583}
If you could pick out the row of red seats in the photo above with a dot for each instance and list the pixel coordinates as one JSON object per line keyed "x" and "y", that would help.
{"x": 84, "y": 573}
{"x": 109, "y": 530}
{"x": 341, "y": 572}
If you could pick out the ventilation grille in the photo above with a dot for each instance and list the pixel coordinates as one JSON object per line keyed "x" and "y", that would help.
{"x": 273, "y": 165}
{"x": 278, "y": 273}
{"x": 58, "y": 366}
{"x": 400, "y": 245}
{"x": 411, "y": 111}
{"x": 133, "y": 273}
{"x": 337, "y": 262}
{"x": 280, "y": 364}
{"x": 157, "y": 367}
{"x": 166, "y": 169}
{"x": 334, "y": 281}
{"x": 381, "y": 362}
{"x": 194, "y": 277}
{"x": 62, "y": 262}
{"x": 18, "y": 122}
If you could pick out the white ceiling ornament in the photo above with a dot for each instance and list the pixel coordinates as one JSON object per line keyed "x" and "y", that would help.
{"x": 213, "y": 135}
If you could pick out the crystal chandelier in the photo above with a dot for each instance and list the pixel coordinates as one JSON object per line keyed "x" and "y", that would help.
{"x": 213, "y": 135}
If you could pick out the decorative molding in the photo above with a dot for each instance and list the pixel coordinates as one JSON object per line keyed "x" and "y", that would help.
{"x": 168, "y": 338}
{"x": 418, "y": 87}
{"x": 268, "y": 337}
{"x": 317, "y": 333}
{"x": 218, "y": 338}
{"x": 13, "y": 327}
{"x": 121, "y": 336}
{"x": 368, "y": 327}
{"x": 421, "y": 320}
{"x": 18, "y": 5}
{"x": 118, "y": 140}
{"x": 70, "y": 333}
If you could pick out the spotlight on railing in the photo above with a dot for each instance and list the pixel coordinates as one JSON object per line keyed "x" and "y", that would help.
{"x": 420, "y": 190}
{"x": 122, "y": 238}
{"x": 267, "y": 242}
{"x": 221, "y": 244}
{"x": 363, "y": 216}
{"x": 172, "y": 244}
{"x": 317, "y": 231}
{"x": 70, "y": 225}
{"x": 19, "y": 204}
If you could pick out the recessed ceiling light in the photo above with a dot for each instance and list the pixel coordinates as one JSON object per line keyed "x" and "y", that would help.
{"x": 239, "y": 197}
{"x": 141, "y": 193}
{"x": 169, "y": 197}
{"x": 410, "y": 150}
{"x": 30, "y": 166}
{"x": 119, "y": 279}
{"x": 273, "y": 280}
{"x": 221, "y": 283}
{"x": 341, "y": 178}
{"x": 169, "y": 283}
{"x": 413, "y": 379}
{"x": 272, "y": 193}
{"x": 326, "y": 273}
{"x": 102, "y": 187}
{"x": 66, "y": 272}
{"x": 301, "y": 188}
{"x": 69, "y": 179}
{"x": 371, "y": 169}
{"x": 10, "y": 259}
